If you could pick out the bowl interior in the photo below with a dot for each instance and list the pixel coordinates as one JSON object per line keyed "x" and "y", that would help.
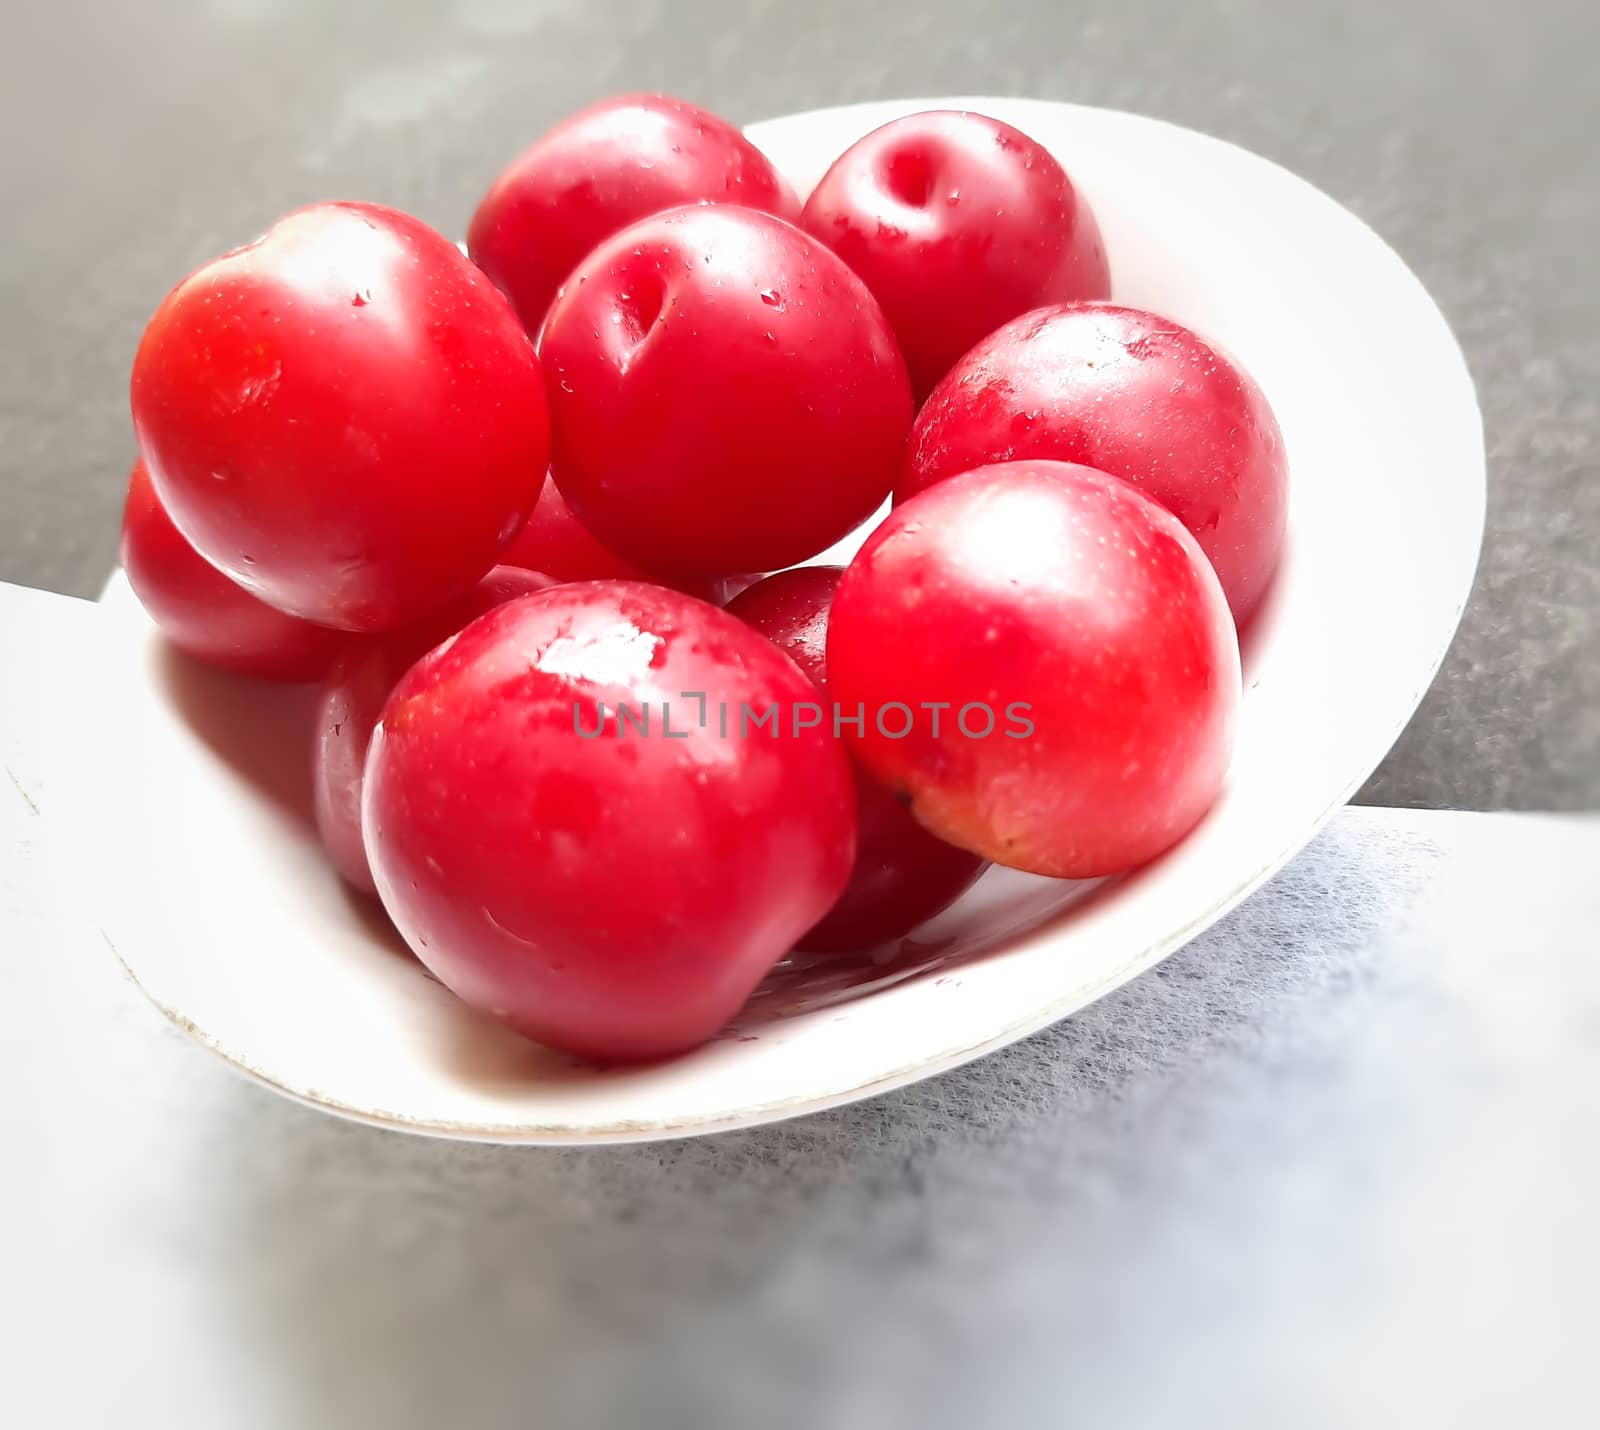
{"x": 217, "y": 900}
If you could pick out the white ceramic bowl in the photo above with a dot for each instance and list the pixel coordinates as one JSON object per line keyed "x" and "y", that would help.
{"x": 211, "y": 889}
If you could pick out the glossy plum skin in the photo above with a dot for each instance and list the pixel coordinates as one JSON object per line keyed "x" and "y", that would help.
{"x": 903, "y": 875}
{"x": 601, "y": 169}
{"x": 553, "y": 541}
{"x": 725, "y": 394}
{"x": 344, "y": 416}
{"x": 1068, "y": 591}
{"x": 201, "y": 611}
{"x": 352, "y": 699}
{"x": 957, "y": 223}
{"x": 610, "y": 893}
{"x": 1133, "y": 394}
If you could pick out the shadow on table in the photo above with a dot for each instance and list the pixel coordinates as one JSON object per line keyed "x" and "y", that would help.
{"x": 902, "y": 1260}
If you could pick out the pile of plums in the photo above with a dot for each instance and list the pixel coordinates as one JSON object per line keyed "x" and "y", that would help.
{"x": 601, "y": 768}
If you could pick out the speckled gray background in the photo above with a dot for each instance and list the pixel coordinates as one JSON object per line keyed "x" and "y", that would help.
{"x": 142, "y": 139}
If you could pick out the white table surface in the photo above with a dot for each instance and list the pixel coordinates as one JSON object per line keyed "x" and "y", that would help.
{"x": 1334, "y": 1164}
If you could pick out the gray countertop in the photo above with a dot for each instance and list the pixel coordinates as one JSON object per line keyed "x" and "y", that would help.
{"x": 146, "y": 138}
{"x": 1334, "y": 1164}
